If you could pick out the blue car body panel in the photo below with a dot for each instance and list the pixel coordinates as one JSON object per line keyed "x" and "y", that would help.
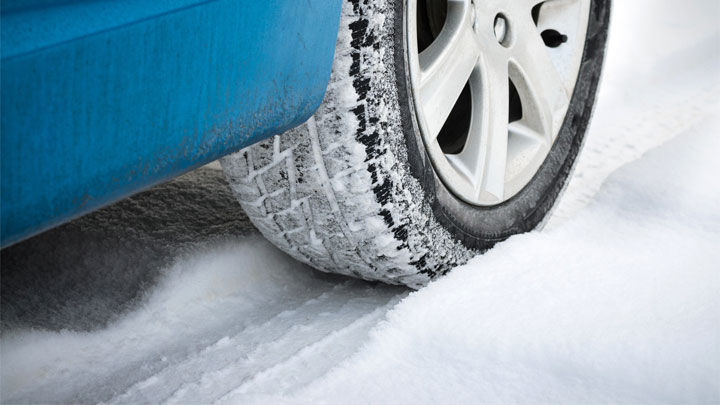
{"x": 103, "y": 98}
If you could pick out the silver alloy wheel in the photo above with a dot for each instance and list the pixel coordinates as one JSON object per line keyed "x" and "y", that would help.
{"x": 516, "y": 62}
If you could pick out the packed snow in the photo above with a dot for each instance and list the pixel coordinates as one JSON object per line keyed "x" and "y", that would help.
{"x": 620, "y": 304}
{"x": 617, "y": 300}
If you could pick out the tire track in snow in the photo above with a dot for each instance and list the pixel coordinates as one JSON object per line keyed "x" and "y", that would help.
{"x": 315, "y": 359}
{"x": 185, "y": 365}
{"x": 274, "y": 353}
{"x": 225, "y": 291}
{"x": 221, "y": 366}
{"x": 634, "y": 114}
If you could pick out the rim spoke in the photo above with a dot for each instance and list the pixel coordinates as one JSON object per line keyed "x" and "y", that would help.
{"x": 485, "y": 154}
{"x": 519, "y": 128}
{"x": 446, "y": 66}
{"x": 541, "y": 89}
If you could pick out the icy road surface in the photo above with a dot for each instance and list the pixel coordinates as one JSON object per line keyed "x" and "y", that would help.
{"x": 172, "y": 297}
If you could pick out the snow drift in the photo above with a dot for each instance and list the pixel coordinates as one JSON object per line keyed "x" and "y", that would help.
{"x": 619, "y": 305}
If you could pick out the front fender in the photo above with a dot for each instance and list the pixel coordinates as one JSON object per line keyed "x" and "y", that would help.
{"x": 101, "y": 99}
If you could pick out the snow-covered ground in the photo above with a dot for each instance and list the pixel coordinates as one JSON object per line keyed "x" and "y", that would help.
{"x": 617, "y": 300}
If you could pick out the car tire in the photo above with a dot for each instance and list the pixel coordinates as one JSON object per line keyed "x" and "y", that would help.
{"x": 355, "y": 190}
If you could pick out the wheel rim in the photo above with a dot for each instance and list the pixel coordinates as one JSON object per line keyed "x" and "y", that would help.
{"x": 491, "y": 83}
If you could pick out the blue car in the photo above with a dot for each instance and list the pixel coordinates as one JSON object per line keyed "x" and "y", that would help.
{"x": 384, "y": 139}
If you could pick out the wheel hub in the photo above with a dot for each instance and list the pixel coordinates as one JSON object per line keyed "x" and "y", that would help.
{"x": 492, "y": 86}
